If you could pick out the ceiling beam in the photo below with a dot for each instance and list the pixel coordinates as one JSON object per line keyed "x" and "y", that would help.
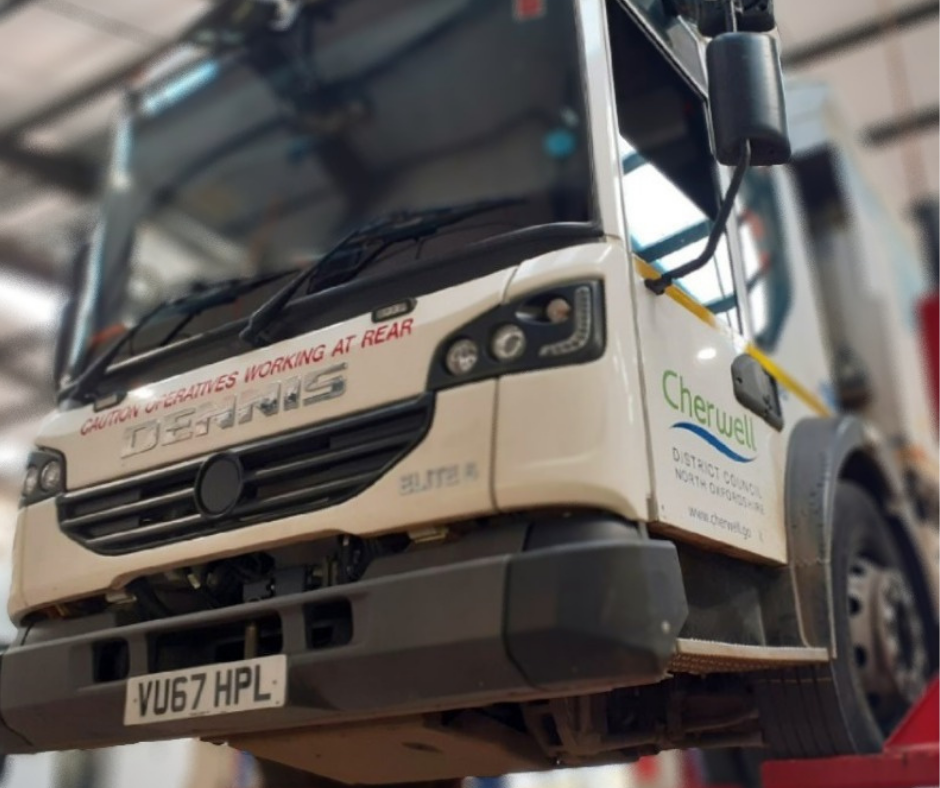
{"x": 65, "y": 171}
{"x": 28, "y": 378}
{"x": 11, "y": 135}
{"x": 14, "y": 345}
{"x": 862, "y": 33}
{"x": 74, "y": 100}
{"x": 9, "y": 6}
{"x": 17, "y": 256}
{"x": 25, "y": 410}
{"x": 888, "y": 131}
{"x": 18, "y": 371}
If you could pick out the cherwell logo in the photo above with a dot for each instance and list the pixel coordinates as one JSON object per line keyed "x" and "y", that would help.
{"x": 709, "y": 422}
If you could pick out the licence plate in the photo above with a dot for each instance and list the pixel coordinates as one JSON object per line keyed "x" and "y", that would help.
{"x": 202, "y": 692}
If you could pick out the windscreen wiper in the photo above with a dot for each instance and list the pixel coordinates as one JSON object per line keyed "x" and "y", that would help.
{"x": 83, "y": 388}
{"x": 386, "y": 230}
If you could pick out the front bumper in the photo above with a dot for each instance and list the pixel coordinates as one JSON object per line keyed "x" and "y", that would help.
{"x": 516, "y": 611}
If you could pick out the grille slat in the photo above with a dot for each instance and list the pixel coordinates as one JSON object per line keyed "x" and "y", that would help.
{"x": 284, "y": 475}
{"x": 145, "y": 532}
{"x": 288, "y": 499}
{"x": 182, "y": 472}
{"x": 129, "y": 509}
{"x": 326, "y": 459}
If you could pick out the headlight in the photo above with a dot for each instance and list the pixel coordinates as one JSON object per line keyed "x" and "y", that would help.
{"x": 45, "y": 476}
{"x": 50, "y": 477}
{"x": 556, "y": 326}
{"x": 508, "y": 343}
{"x": 462, "y": 357}
{"x": 31, "y": 482}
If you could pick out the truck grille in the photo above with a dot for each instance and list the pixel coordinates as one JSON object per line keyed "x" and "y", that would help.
{"x": 297, "y": 472}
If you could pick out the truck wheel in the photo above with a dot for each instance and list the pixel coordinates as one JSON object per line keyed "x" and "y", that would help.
{"x": 277, "y": 775}
{"x": 883, "y": 659}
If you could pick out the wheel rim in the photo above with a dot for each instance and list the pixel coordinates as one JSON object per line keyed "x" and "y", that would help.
{"x": 889, "y": 654}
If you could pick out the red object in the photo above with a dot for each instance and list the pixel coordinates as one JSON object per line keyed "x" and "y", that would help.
{"x": 930, "y": 337}
{"x": 528, "y": 9}
{"x": 647, "y": 768}
{"x": 911, "y": 758}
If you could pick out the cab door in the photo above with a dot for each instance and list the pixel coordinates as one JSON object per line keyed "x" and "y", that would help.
{"x": 717, "y": 463}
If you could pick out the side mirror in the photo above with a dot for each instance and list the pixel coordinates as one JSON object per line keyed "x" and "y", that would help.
{"x": 745, "y": 89}
{"x": 749, "y": 124}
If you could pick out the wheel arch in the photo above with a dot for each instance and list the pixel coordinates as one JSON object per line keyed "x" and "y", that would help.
{"x": 821, "y": 453}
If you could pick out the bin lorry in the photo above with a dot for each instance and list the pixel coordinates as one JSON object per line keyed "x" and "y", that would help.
{"x": 449, "y": 388}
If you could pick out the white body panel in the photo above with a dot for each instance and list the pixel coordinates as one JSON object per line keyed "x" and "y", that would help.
{"x": 717, "y": 467}
{"x": 871, "y": 271}
{"x": 576, "y": 433}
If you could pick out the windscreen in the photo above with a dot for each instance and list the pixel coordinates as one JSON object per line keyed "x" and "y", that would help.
{"x": 258, "y": 156}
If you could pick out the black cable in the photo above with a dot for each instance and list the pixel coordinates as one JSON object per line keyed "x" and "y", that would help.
{"x": 659, "y": 285}
{"x": 731, "y": 18}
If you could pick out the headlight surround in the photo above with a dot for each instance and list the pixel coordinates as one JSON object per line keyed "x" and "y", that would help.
{"x": 45, "y": 476}
{"x": 554, "y": 326}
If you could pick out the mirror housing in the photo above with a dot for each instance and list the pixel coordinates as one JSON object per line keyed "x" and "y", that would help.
{"x": 745, "y": 89}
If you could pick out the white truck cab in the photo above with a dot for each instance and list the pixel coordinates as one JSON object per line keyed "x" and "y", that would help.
{"x": 397, "y": 442}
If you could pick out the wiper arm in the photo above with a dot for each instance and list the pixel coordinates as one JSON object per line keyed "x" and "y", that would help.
{"x": 401, "y": 226}
{"x": 85, "y": 384}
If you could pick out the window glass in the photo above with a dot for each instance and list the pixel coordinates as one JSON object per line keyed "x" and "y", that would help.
{"x": 670, "y": 190}
{"x": 764, "y": 249}
{"x": 667, "y": 230}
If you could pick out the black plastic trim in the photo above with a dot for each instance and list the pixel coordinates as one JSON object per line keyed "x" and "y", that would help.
{"x": 486, "y": 618}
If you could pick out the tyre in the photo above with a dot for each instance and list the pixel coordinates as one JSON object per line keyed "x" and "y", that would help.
{"x": 884, "y": 633}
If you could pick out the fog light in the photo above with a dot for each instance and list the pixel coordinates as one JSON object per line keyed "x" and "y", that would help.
{"x": 508, "y": 343}
{"x": 462, "y": 357}
{"x": 31, "y": 482}
{"x": 558, "y": 310}
{"x": 51, "y": 477}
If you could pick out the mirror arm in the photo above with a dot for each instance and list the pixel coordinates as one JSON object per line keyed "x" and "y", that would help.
{"x": 731, "y": 16}
{"x": 659, "y": 285}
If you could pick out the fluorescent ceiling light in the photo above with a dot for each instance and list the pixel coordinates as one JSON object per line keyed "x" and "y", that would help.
{"x": 25, "y": 300}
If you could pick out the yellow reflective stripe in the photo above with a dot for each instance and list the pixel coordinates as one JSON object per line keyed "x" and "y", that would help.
{"x": 783, "y": 378}
{"x": 678, "y": 295}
